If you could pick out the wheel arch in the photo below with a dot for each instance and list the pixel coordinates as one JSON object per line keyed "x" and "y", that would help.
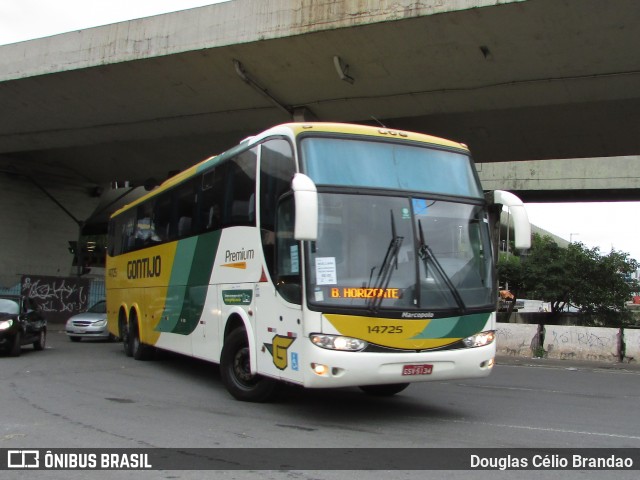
{"x": 238, "y": 318}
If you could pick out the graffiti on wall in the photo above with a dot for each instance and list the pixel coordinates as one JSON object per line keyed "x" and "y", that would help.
{"x": 58, "y": 297}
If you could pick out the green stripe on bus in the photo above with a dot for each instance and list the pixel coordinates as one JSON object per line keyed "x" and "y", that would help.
{"x": 198, "y": 283}
{"x": 455, "y": 327}
{"x": 188, "y": 285}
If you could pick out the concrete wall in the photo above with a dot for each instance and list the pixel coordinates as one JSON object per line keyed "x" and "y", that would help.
{"x": 34, "y": 231}
{"x": 516, "y": 340}
{"x": 569, "y": 342}
{"x": 632, "y": 345}
{"x": 582, "y": 343}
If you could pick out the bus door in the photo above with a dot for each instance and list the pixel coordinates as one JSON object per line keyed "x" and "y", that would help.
{"x": 278, "y": 331}
{"x": 279, "y": 301}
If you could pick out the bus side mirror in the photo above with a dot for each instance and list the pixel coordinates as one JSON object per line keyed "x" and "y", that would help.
{"x": 305, "y": 195}
{"x": 521, "y": 225}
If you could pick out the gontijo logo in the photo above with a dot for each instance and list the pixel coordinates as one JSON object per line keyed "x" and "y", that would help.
{"x": 144, "y": 267}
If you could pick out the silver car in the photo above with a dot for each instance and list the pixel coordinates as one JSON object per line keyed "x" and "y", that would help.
{"x": 90, "y": 324}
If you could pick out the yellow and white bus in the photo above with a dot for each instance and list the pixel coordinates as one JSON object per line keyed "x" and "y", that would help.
{"x": 318, "y": 254}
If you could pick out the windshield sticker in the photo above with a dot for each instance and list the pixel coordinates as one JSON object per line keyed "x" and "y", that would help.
{"x": 319, "y": 294}
{"x": 295, "y": 262}
{"x": 406, "y": 214}
{"x": 419, "y": 206}
{"x": 326, "y": 271}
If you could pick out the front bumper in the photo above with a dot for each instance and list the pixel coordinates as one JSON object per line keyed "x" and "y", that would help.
{"x": 346, "y": 369}
{"x": 87, "y": 332}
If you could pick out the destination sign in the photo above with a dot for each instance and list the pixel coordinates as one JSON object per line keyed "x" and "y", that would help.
{"x": 361, "y": 292}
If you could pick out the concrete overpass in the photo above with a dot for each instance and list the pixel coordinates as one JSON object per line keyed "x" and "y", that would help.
{"x": 514, "y": 79}
{"x": 566, "y": 180}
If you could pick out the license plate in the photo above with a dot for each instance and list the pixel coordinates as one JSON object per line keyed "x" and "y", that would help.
{"x": 422, "y": 369}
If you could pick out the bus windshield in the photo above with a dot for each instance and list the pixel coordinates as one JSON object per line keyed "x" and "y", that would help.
{"x": 400, "y": 253}
{"x": 389, "y": 165}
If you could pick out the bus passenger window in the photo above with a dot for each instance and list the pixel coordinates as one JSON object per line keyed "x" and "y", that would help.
{"x": 212, "y": 199}
{"x": 185, "y": 201}
{"x": 162, "y": 217}
{"x": 145, "y": 227}
{"x": 239, "y": 191}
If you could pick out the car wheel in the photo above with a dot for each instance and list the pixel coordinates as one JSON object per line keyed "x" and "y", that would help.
{"x": 41, "y": 343}
{"x": 236, "y": 373}
{"x": 15, "y": 348}
{"x": 384, "y": 390}
{"x": 75, "y": 339}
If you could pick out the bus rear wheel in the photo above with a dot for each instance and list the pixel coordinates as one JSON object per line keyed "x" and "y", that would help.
{"x": 139, "y": 350}
{"x": 384, "y": 390}
{"x": 235, "y": 371}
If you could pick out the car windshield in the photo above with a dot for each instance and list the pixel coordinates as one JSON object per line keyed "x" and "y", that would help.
{"x": 9, "y": 306}
{"x": 100, "y": 307}
{"x": 400, "y": 253}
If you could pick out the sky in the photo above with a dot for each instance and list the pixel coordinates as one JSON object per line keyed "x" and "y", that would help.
{"x": 614, "y": 225}
{"x": 26, "y": 19}
{"x": 604, "y": 225}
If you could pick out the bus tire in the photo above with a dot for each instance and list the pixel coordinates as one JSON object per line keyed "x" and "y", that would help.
{"x": 125, "y": 334}
{"x": 384, "y": 390}
{"x": 139, "y": 350}
{"x": 236, "y": 374}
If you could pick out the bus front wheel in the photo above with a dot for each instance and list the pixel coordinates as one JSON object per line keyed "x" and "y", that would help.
{"x": 235, "y": 371}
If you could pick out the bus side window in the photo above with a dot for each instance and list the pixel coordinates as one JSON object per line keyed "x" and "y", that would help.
{"x": 210, "y": 208}
{"x": 145, "y": 226}
{"x": 239, "y": 204}
{"x": 126, "y": 228}
{"x": 162, "y": 217}
{"x": 277, "y": 167}
{"x": 287, "y": 275}
{"x": 184, "y": 204}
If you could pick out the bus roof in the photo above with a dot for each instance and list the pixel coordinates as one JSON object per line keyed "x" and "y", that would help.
{"x": 296, "y": 129}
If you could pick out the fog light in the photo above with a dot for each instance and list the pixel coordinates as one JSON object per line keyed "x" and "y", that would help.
{"x": 319, "y": 369}
{"x": 488, "y": 364}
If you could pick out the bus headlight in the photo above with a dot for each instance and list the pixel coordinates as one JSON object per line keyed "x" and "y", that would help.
{"x": 337, "y": 342}
{"x": 480, "y": 339}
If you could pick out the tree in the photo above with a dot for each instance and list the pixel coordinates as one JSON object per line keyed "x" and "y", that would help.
{"x": 575, "y": 276}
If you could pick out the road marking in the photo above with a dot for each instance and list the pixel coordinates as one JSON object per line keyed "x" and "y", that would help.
{"x": 543, "y": 429}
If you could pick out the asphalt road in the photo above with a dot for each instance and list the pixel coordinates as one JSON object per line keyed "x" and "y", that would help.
{"x": 89, "y": 394}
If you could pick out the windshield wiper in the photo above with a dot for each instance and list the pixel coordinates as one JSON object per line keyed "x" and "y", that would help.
{"x": 426, "y": 254}
{"x": 386, "y": 269}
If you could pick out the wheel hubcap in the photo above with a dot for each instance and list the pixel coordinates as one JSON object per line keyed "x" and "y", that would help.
{"x": 241, "y": 366}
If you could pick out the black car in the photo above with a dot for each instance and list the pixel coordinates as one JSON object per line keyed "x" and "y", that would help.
{"x": 21, "y": 323}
